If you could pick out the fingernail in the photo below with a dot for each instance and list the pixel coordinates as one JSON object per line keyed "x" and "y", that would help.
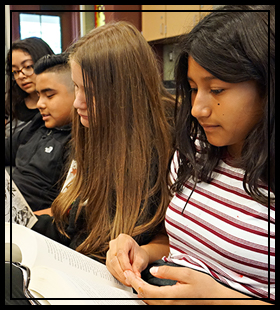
{"x": 154, "y": 270}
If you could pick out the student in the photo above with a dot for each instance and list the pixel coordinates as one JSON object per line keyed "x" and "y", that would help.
{"x": 21, "y": 96}
{"x": 219, "y": 220}
{"x": 39, "y": 151}
{"x": 121, "y": 144}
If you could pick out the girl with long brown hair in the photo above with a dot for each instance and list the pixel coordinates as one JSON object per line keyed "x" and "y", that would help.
{"x": 121, "y": 143}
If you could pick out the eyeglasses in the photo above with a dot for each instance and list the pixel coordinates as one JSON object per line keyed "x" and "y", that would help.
{"x": 27, "y": 71}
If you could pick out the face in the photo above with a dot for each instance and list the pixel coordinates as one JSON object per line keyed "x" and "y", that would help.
{"x": 55, "y": 99}
{"x": 226, "y": 111}
{"x": 22, "y": 59}
{"x": 80, "y": 96}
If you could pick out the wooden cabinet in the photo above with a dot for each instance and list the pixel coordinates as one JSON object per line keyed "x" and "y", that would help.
{"x": 165, "y": 21}
{"x": 205, "y": 7}
{"x": 181, "y": 22}
{"x": 153, "y": 23}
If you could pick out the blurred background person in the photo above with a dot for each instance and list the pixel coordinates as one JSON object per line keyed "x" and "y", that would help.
{"x": 21, "y": 97}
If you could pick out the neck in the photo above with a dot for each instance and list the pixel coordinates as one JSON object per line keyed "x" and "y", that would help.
{"x": 31, "y": 101}
{"x": 235, "y": 150}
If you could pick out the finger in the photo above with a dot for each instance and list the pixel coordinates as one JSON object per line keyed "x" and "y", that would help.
{"x": 112, "y": 250}
{"x": 123, "y": 259}
{"x": 138, "y": 265}
{"x": 116, "y": 270}
{"x": 145, "y": 290}
{"x": 180, "y": 274}
{"x": 136, "y": 282}
{"x": 123, "y": 248}
{"x": 116, "y": 258}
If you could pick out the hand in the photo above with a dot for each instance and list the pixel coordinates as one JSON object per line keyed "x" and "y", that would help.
{"x": 191, "y": 284}
{"x": 125, "y": 254}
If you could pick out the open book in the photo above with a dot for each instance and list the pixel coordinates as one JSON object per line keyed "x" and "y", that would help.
{"x": 61, "y": 274}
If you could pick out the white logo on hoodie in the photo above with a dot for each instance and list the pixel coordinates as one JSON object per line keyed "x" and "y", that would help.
{"x": 48, "y": 149}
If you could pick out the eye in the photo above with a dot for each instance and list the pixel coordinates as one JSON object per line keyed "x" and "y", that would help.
{"x": 49, "y": 95}
{"x": 216, "y": 91}
{"x": 193, "y": 90}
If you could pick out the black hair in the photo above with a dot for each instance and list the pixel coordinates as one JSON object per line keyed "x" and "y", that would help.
{"x": 14, "y": 95}
{"x": 47, "y": 62}
{"x": 233, "y": 45}
{"x": 34, "y": 46}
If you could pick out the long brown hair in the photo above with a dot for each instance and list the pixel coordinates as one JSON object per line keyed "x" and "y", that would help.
{"x": 122, "y": 158}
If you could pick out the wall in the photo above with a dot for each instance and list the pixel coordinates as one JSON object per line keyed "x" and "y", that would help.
{"x": 170, "y": 54}
{"x": 119, "y": 14}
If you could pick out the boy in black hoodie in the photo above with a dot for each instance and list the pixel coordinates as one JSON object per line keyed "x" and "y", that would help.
{"x": 40, "y": 150}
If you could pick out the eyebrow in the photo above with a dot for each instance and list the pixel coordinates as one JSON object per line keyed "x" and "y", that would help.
{"x": 45, "y": 90}
{"x": 29, "y": 59}
{"x": 206, "y": 78}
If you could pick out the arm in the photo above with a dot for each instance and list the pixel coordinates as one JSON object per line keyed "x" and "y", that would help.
{"x": 11, "y": 146}
{"x": 21, "y": 136}
{"x": 192, "y": 284}
{"x": 157, "y": 248}
{"x": 47, "y": 211}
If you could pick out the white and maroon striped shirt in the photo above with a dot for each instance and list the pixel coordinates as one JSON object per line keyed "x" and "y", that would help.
{"x": 223, "y": 232}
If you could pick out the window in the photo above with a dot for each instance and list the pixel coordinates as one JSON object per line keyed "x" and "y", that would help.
{"x": 46, "y": 27}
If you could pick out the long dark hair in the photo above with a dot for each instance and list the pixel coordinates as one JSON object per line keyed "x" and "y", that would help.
{"x": 36, "y": 48}
{"x": 233, "y": 46}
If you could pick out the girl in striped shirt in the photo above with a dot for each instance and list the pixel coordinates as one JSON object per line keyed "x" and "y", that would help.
{"x": 220, "y": 222}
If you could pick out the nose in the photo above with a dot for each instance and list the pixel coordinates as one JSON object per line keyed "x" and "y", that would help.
{"x": 201, "y": 106}
{"x": 41, "y": 104}
{"x": 80, "y": 101}
{"x": 21, "y": 75}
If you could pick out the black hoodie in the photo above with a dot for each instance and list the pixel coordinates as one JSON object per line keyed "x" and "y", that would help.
{"x": 39, "y": 155}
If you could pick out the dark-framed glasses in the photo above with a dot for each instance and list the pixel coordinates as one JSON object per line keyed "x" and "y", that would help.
{"x": 27, "y": 71}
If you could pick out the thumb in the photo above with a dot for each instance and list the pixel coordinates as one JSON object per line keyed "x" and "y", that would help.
{"x": 167, "y": 272}
{"x": 138, "y": 266}
{"x": 140, "y": 261}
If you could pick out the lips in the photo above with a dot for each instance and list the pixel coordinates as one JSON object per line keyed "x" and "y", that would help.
{"x": 45, "y": 116}
{"x": 209, "y": 127}
{"x": 83, "y": 116}
{"x": 26, "y": 85}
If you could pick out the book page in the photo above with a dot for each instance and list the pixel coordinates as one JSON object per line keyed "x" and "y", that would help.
{"x": 38, "y": 250}
{"x": 71, "y": 286}
{"x": 19, "y": 212}
{"x": 22, "y": 243}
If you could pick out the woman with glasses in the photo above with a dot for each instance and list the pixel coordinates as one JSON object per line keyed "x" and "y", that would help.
{"x": 21, "y": 97}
